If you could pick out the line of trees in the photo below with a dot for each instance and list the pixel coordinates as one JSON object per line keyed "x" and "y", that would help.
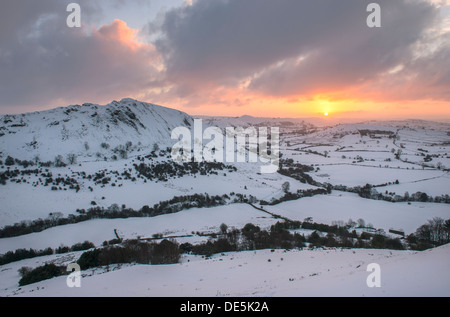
{"x": 45, "y": 178}
{"x": 160, "y": 171}
{"x": 250, "y": 237}
{"x": 299, "y": 172}
{"x": 163, "y": 171}
{"x": 131, "y": 251}
{"x": 45, "y": 272}
{"x": 434, "y": 233}
{"x": 173, "y": 205}
{"x": 22, "y": 254}
{"x": 370, "y": 192}
{"x": 300, "y": 193}
{"x": 57, "y": 162}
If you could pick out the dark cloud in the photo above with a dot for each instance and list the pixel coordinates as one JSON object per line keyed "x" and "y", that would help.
{"x": 291, "y": 47}
{"x": 220, "y": 49}
{"x": 425, "y": 76}
{"x": 43, "y": 62}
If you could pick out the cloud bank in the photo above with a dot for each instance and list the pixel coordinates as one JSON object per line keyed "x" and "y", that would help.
{"x": 42, "y": 61}
{"x": 226, "y": 52}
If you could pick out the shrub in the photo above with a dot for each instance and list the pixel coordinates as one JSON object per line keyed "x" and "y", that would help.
{"x": 166, "y": 252}
{"x": 21, "y": 254}
{"x": 115, "y": 254}
{"x": 9, "y": 161}
{"x": 394, "y": 244}
{"x": 40, "y": 273}
{"x": 186, "y": 247}
{"x": 89, "y": 259}
{"x": 223, "y": 228}
{"x": 59, "y": 162}
{"x": 62, "y": 249}
{"x": 206, "y": 249}
{"x": 365, "y": 235}
{"x": 314, "y": 238}
{"x": 86, "y": 245}
{"x": 223, "y": 245}
{"x": 112, "y": 242}
{"x": 378, "y": 242}
{"x": 250, "y": 228}
{"x": 24, "y": 270}
{"x": 128, "y": 145}
{"x": 285, "y": 187}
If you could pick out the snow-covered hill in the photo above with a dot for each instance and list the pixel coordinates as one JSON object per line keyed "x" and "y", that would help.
{"x": 294, "y": 273}
{"x": 118, "y": 167}
{"x": 89, "y": 130}
{"x": 285, "y": 124}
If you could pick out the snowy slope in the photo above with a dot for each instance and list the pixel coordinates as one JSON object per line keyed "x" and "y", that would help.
{"x": 389, "y": 154}
{"x": 332, "y": 272}
{"x": 81, "y": 130}
{"x": 285, "y": 124}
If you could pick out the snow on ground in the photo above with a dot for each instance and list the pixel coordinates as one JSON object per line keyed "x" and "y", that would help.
{"x": 344, "y": 206}
{"x": 81, "y": 130}
{"x": 322, "y": 208}
{"x": 295, "y": 273}
{"x": 344, "y": 154}
{"x": 177, "y": 224}
{"x": 350, "y": 175}
{"x": 435, "y": 186}
{"x": 25, "y": 202}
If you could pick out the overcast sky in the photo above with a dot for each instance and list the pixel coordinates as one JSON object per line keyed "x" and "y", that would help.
{"x": 284, "y": 58}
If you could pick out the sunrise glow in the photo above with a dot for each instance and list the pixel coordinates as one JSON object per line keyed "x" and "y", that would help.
{"x": 224, "y": 148}
{"x": 190, "y": 62}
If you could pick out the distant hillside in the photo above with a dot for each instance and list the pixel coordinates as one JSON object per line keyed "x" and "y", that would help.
{"x": 89, "y": 130}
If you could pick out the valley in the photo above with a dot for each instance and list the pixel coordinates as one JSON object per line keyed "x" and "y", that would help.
{"x": 98, "y": 173}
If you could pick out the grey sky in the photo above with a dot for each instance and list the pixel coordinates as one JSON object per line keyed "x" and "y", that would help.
{"x": 274, "y": 48}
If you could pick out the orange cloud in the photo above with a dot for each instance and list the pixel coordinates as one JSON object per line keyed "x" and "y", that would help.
{"x": 232, "y": 101}
{"x": 87, "y": 65}
{"x": 119, "y": 31}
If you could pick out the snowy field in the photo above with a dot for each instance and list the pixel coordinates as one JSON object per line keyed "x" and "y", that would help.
{"x": 29, "y": 202}
{"x": 407, "y": 156}
{"x": 178, "y": 224}
{"x": 344, "y": 206}
{"x": 263, "y": 273}
{"x": 323, "y": 209}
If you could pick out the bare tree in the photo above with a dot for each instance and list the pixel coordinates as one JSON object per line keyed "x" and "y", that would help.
{"x": 435, "y": 231}
{"x": 59, "y": 161}
{"x": 351, "y": 223}
{"x": 55, "y": 216}
{"x": 71, "y": 158}
{"x": 223, "y": 228}
{"x": 285, "y": 187}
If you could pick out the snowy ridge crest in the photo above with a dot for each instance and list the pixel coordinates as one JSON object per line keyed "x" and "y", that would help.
{"x": 89, "y": 130}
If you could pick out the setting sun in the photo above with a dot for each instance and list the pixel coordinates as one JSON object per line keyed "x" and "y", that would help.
{"x": 326, "y": 114}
